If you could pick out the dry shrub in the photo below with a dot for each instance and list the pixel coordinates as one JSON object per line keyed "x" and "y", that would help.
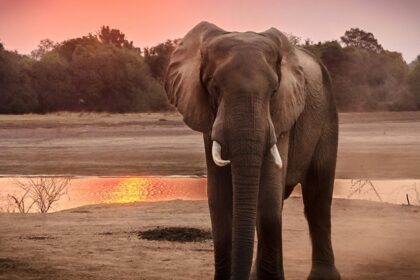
{"x": 39, "y": 192}
{"x": 363, "y": 186}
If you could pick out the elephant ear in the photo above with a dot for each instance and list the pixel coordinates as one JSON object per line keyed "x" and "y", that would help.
{"x": 288, "y": 103}
{"x": 183, "y": 82}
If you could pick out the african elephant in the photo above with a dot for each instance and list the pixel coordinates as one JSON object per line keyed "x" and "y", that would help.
{"x": 269, "y": 122}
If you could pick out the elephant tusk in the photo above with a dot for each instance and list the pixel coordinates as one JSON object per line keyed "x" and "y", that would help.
{"x": 276, "y": 155}
{"x": 217, "y": 157}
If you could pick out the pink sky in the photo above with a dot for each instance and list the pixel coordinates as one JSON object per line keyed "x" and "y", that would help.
{"x": 23, "y": 23}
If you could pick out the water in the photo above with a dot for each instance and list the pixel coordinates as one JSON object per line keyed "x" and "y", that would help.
{"x": 99, "y": 190}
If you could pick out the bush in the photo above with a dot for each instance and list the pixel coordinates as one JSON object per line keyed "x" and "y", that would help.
{"x": 81, "y": 74}
{"x": 17, "y": 95}
{"x": 365, "y": 80}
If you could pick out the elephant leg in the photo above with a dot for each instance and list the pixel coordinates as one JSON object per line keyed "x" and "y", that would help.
{"x": 317, "y": 190}
{"x": 219, "y": 192}
{"x": 269, "y": 262}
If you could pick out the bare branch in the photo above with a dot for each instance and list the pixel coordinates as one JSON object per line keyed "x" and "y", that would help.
{"x": 42, "y": 192}
{"x": 359, "y": 185}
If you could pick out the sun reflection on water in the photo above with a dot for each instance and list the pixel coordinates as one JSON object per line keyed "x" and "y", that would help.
{"x": 129, "y": 190}
{"x": 138, "y": 189}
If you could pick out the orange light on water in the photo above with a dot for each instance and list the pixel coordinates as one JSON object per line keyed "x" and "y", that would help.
{"x": 129, "y": 190}
{"x": 141, "y": 189}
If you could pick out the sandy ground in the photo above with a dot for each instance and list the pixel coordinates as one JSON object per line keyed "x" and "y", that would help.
{"x": 371, "y": 240}
{"x": 376, "y": 145}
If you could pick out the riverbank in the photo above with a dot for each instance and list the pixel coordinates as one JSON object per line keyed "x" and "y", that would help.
{"x": 371, "y": 145}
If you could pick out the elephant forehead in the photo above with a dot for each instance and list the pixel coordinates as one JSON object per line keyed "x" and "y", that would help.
{"x": 240, "y": 41}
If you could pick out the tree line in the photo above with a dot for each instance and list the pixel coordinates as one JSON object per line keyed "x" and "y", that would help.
{"x": 367, "y": 77}
{"x": 106, "y": 72}
{"x": 102, "y": 72}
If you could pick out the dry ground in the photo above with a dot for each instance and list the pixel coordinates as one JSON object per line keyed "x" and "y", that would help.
{"x": 378, "y": 145}
{"x": 371, "y": 240}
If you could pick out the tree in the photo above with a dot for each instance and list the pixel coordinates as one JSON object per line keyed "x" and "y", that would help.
{"x": 17, "y": 95}
{"x": 294, "y": 40}
{"x": 364, "y": 80}
{"x": 115, "y": 79}
{"x": 105, "y": 72}
{"x": 67, "y": 48}
{"x": 115, "y": 37}
{"x": 415, "y": 62}
{"x": 53, "y": 82}
{"x": 358, "y": 38}
{"x": 413, "y": 82}
{"x": 44, "y": 46}
{"x": 157, "y": 57}
{"x": 87, "y": 74}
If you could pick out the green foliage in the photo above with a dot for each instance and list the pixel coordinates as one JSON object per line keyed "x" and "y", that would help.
{"x": 358, "y": 38}
{"x": 45, "y": 46}
{"x": 16, "y": 93}
{"x": 53, "y": 83}
{"x": 67, "y": 48}
{"x": 115, "y": 80}
{"x": 364, "y": 78}
{"x": 414, "y": 82}
{"x": 105, "y": 72}
{"x": 157, "y": 58}
{"x": 90, "y": 73}
{"x": 414, "y": 63}
{"x": 114, "y": 37}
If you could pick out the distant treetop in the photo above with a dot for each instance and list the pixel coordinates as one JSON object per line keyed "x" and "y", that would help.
{"x": 44, "y": 46}
{"x": 359, "y": 38}
{"x": 114, "y": 36}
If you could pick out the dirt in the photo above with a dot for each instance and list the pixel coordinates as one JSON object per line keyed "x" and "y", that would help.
{"x": 371, "y": 241}
{"x": 178, "y": 234}
{"x": 374, "y": 145}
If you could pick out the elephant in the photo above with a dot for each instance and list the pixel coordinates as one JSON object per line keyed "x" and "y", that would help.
{"x": 269, "y": 122}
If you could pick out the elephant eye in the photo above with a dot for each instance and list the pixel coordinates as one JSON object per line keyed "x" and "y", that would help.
{"x": 215, "y": 90}
{"x": 275, "y": 90}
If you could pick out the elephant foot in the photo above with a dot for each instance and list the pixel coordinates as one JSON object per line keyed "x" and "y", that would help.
{"x": 324, "y": 272}
{"x": 254, "y": 275}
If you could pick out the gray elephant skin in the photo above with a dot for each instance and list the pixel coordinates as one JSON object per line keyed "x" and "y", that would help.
{"x": 269, "y": 122}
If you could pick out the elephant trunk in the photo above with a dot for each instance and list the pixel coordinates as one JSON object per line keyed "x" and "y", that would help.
{"x": 247, "y": 144}
{"x": 246, "y": 167}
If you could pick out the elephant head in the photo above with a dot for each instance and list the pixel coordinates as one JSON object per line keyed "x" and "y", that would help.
{"x": 243, "y": 89}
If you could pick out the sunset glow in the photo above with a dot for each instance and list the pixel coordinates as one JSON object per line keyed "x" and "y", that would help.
{"x": 129, "y": 190}
{"x": 24, "y": 23}
{"x": 138, "y": 189}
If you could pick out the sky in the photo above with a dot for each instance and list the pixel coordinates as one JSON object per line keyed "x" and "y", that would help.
{"x": 395, "y": 23}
